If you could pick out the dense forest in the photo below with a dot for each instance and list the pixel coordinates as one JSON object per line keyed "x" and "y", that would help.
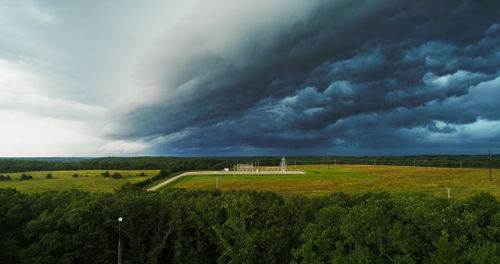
{"x": 179, "y": 226}
{"x": 178, "y": 164}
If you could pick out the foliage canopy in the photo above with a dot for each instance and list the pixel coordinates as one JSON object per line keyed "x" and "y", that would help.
{"x": 179, "y": 226}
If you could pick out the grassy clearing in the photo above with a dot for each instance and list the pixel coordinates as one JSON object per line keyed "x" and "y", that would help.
{"x": 357, "y": 178}
{"x": 462, "y": 182}
{"x": 87, "y": 180}
{"x": 317, "y": 180}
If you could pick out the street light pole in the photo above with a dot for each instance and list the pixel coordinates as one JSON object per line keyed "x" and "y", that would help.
{"x": 120, "y": 219}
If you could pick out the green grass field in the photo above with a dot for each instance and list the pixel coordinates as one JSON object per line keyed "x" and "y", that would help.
{"x": 356, "y": 179}
{"x": 318, "y": 180}
{"x": 88, "y": 180}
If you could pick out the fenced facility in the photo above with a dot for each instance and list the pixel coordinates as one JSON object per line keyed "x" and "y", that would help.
{"x": 244, "y": 167}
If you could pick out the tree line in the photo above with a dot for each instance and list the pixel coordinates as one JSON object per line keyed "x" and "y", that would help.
{"x": 454, "y": 161}
{"x": 180, "y": 164}
{"x": 133, "y": 163}
{"x": 178, "y": 226}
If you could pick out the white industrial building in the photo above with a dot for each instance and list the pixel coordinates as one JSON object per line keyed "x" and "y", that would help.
{"x": 247, "y": 167}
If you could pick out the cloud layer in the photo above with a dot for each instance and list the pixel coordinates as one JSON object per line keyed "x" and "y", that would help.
{"x": 63, "y": 64}
{"x": 349, "y": 77}
{"x": 292, "y": 77}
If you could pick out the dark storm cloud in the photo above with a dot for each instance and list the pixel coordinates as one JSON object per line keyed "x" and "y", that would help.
{"x": 368, "y": 75}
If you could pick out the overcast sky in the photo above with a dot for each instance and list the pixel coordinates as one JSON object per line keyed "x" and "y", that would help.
{"x": 221, "y": 78}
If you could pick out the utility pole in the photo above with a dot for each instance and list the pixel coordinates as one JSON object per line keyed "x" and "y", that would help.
{"x": 328, "y": 161}
{"x": 460, "y": 164}
{"x": 120, "y": 219}
{"x": 414, "y": 163}
{"x": 489, "y": 160}
{"x": 374, "y": 163}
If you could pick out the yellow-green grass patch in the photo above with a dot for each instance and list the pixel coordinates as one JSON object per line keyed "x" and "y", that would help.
{"x": 356, "y": 179}
{"x": 315, "y": 180}
{"x": 462, "y": 182}
{"x": 87, "y": 180}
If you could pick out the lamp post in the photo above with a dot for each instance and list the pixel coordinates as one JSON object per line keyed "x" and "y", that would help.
{"x": 120, "y": 219}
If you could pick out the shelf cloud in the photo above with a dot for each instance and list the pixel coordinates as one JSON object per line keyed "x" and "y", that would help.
{"x": 359, "y": 77}
{"x": 198, "y": 78}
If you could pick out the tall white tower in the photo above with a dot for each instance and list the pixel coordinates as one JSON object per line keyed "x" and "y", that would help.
{"x": 283, "y": 164}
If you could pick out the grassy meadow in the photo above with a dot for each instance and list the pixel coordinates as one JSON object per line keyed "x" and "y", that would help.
{"x": 87, "y": 180}
{"x": 318, "y": 180}
{"x": 355, "y": 179}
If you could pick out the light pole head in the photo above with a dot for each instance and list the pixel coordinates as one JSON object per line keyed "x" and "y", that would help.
{"x": 120, "y": 219}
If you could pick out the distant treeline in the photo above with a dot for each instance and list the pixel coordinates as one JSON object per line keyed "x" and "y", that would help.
{"x": 180, "y": 226}
{"x": 466, "y": 161}
{"x": 136, "y": 163}
{"x": 177, "y": 164}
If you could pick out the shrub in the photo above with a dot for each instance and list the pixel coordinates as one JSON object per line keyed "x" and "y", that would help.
{"x": 116, "y": 175}
{"x": 105, "y": 174}
{"x": 49, "y": 176}
{"x": 75, "y": 175}
{"x": 161, "y": 174}
{"x": 142, "y": 184}
{"x": 24, "y": 176}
